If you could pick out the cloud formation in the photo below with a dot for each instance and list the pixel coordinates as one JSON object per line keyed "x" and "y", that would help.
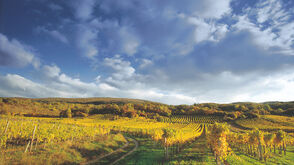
{"x": 170, "y": 51}
{"x": 53, "y": 33}
{"x": 149, "y": 28}
{"x": 13, "y": 53}
{"x": 83, "y": 9}
{"x": 57, "y": 84}
{"x": 86, "y": 41}
{"x": 271, "y": 24}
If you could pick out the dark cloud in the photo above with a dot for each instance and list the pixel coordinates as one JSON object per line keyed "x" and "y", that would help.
{"x": 148, "y": 28}
{"x": 216, "y": 64}
{"x": 238, "y": 53}
{"x": 163, "y": 50}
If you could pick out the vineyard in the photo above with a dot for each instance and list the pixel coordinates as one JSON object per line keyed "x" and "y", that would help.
{"x": 194, "y": 119}
{"x": 174, "y": 135}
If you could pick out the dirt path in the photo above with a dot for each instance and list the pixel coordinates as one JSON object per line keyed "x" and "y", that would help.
{"x": 103, "y": 156}
{"x": 130, "y": 152}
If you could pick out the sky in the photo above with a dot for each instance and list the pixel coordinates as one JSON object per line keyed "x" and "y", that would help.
{"x": 169, "y": 51}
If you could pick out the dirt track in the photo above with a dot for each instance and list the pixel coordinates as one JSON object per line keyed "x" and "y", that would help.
{"x": 130, "y": 152}
{"x": 115, "y": 151}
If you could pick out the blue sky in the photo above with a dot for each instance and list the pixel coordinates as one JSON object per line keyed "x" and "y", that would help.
{"x": 175, "y": 52}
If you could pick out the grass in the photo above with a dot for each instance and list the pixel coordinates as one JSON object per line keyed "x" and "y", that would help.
{"x": 265, "y": 123}
{"x": 239, "y": 158}
{"x": 148, "y": 153}
{"x": 282, "y": 120}
{"x": 67, "y": 152}
{"x": 195, "y": 154}
{"x": 111, "y": 158}
{"x": 53, "y": 154}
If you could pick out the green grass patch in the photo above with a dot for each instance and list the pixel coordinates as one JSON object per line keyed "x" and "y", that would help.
{"x": 240, "y": 158}
{"x": 148, "y": 152}
{"x": 195, "y": 154}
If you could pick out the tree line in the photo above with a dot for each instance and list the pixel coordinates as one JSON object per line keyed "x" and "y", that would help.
{"x": 131, "y": 108}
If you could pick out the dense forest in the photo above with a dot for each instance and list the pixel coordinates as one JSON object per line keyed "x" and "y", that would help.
{"x": 82, "y": 107}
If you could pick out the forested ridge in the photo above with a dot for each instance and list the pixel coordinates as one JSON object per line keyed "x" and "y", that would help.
{"x": 81, "y": 107}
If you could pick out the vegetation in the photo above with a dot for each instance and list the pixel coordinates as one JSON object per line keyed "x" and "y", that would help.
{"x": 55, "y": 107}
{"x": 107, "y": 130}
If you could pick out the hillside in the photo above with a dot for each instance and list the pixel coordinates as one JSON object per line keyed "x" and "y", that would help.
{"x": 55, "y": 107}
{"x": 95, "y": 100}
{"x": 79, "y": 107}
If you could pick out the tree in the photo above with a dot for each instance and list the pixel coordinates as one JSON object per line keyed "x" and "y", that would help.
{"x": 116, "y": 109}
{"x": 132, "y": 114}
{"x": 128, "y": 107}
{"x": 267, "y": 107}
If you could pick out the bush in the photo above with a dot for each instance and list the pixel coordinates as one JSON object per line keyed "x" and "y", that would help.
{"x": 159, "y": 118}
{"x": 251, "y": 115}
{"x": 80, "y": 114}
{"x": 131, "y": 114}
{"x": 66, "y": 113}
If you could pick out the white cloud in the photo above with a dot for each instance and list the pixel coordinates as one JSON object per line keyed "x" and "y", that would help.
{"x": 273, "y": 30}
{"x": 15, "y": 85}
{"x": 59, "y": 84}
{"x": 264, "y": 38}
{"x": 202, "y": 8}
{"x": 130, "y": 42}
{"x": 222, "y": 87}
{"x": 122, "y": 69}
{"x": 145, "y": 63}
{"x": 271, "y": 10}
{"x": 213, "y": 8}
{"x": 83, "y": 9}
{"x": 86, "y": 39}
{"x": 58, "y": 36}
{"x": 184, "y": 52}
{"x": 51, "y": 71}
{"x": 18, "y": 86}
{"x": 53, "y": 33}
{"x": 84, "y": 25}
{"x": 115, "y": 37}
{"x": 279, "y": 86}
{"x": 107, "y": 87}
{"x": 54, "y": 77}
{"x": 207, "y": 31}
{"x": 14, "y": 53}
{"x": 158, "y": 96}
{"x": 168, "y": 34}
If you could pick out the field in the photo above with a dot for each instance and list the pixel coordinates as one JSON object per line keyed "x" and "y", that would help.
{"x": 129, "y": 138}
{"x": 100, "y": 139}
{"x": 269, "y": 122}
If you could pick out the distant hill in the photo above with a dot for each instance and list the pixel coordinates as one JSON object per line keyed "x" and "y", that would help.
{"x": 96, "y": 100}
{"x": 56, "y": 107}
